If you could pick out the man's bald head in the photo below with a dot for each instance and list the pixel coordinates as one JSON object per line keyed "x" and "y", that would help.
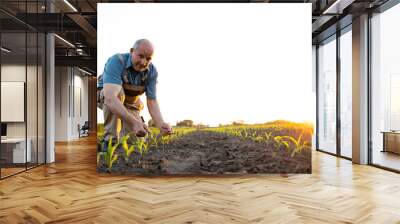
{"x": 144, "y": 42}
{"x": 142, "y": 53}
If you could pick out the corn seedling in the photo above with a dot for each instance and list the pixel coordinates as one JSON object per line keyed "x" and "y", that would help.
{"x": 245, "y": 134}
{"x": 279, "y": 142}
{"x": 142, "y": 146}
{"x": 298, "y": 145}
{"x": 165, "y": 140}
{"x": 154, "y": 139}
{"x": 253, "y": 135}
{"x": 237, "y": 133}
{"x": 268, "y": 136}
{"x": 110, "y": 157}
{"x": 257, "y": 138}
{"x": 146, "y": 146}
{"x": 127, "y": 149}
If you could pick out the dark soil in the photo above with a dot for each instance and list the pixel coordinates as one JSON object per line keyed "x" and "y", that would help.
{"x": 206, "y": 152}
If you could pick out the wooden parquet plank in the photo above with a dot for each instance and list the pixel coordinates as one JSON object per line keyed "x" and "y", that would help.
{"x": 71, "y": 191}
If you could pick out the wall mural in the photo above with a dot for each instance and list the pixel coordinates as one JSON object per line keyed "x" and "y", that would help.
{"x": 211, "y": 95}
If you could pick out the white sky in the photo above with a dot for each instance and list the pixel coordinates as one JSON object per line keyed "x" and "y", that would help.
{"x": 219, "y": 63}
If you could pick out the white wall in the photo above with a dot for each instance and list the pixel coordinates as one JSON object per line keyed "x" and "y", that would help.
{"x": 34, "y": 125}
{"x": 17, "y": 73}
{"x": 61, "y": 103}
{"x": 70, "y": 83}
{"x": 14, "y": 73}
{"x": 80, "y": 96}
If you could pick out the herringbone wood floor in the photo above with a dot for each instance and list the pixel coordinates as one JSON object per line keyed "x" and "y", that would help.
{"x": 70, "y": 191}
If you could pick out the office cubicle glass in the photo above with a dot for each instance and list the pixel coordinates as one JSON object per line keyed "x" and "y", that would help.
{"x": 41, "y": 110}
{"x": 385, "y": 89}
{"x": 22, "y": 89}
{"x": 31, "y": 97}
{"x": 327, "y": 95}
{"x": 346, "y": 92}
{"x": 40, "y": 45}
{"x": 35, "y": 86}
{"x": 13, "y": 86}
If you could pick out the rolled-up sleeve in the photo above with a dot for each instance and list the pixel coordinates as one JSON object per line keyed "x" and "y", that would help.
{"x": 151, "y": 86}
{"x": 113, "y": 70}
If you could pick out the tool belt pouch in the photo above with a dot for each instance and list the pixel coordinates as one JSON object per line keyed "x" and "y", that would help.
{"x": 132, "y": 93}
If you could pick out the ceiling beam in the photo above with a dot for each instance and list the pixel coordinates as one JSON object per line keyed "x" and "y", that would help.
{"x": 321, "y": 20}
{"x": 337, "y": 6}
{"x": 82, "y": 61}
{"x": 85, "y": 25}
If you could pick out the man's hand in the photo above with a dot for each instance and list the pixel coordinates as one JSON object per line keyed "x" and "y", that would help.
{"x": 154, "y": 110}
{"x": 165, "y": 129}
{"x": 139, "y": 128}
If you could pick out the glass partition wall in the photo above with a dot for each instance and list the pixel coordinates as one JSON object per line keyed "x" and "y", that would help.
{"x": 327, "y": 95}
{"x": 334, "y": 116}
{"x": 334, "y": 113}
{"x": 385, "y": 89}
{"x": 346, "y": 92}
{"x": 22, "y": 77}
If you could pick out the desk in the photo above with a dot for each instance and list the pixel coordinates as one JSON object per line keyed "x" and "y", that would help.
{"x": 391, "y": 141}
{"x": 16, "y": 148}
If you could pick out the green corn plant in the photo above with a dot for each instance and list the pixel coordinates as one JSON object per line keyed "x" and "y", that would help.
{"x": 256, "y": 138}
{"x": 100, "y": 137}
{"x": 127, "y": 149}
{"x": 253, "y": 134}
{"x": 154, "y": 139}
{"x": 146, "y": 146}
{"x": 236, "y": 133}
{"x": 245, "y": 134}
{"x": 110, "y": 157}
{"x": 139, "y": 146}
{"x": 267, "y": 136}
{"x": 142, "y": 146}
{"x": 165, "y": 139}
{"x": 298, "y": 145}
{"x": 129, "y": 152}
{"x": 278, "y": 142}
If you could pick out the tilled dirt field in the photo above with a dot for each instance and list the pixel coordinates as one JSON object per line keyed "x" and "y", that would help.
{"x": 206, "y": 152}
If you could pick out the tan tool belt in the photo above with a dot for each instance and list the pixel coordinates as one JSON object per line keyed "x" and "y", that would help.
{"x": 130, "y": 96}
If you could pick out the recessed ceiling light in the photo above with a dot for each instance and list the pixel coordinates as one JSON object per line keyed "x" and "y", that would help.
{"x": 64, "y": 40}
{"x": 70, "y": 5}
{"x": 86, "y": 72}
{"x": 338, "y": 6}
{"x": 5, "y": 49}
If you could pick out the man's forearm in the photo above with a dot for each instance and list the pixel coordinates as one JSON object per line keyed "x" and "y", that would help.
{"x": 155, "y": 112}
{"x": 118, "y": 109}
